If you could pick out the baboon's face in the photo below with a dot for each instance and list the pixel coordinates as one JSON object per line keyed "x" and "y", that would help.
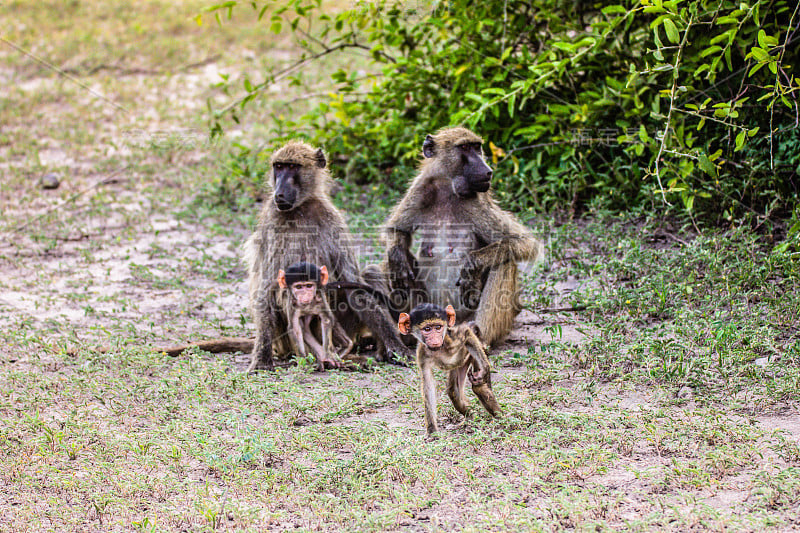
{"x": 287, "y": 184}
{"x": 432, "y": 333}
{"x": 477, "y": 174}
{"x": 459, "y": 152}
{"x": 304, "y": 292}
{"x": 428, "y": 323}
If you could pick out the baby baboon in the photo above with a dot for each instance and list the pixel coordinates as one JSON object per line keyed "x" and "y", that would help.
{"x": 304, "y": 298}
{"x": 469, "y": 247}
{"x": 300, "y": 223}
{"x": 458, "y": 350}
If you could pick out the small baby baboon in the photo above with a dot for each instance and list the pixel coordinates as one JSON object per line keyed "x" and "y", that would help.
{"x": 304, "y": 298}
{"x": 458, "y": 350}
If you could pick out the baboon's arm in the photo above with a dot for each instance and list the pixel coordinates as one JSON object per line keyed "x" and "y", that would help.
{"x": 403, "y": 216}
{"x": 399, "y": 259}
{"x": 479, "y": 359}
{"x": 509, "y": 241}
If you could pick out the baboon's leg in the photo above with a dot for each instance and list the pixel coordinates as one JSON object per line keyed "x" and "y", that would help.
{"x": 340, "y": 335}
{"x": 499, "y": 304}
{"x": 266, "y": 324}
{"x": 482, "y": 387}
{"x": 429, "y": 398}
{"x": 377, "y": 319}
{"x": 323, "y": 351}
{"x": 326, "y": 334}
{"x": 282, "y": 345}
{"x": 376, "y": 278}
{"x": 486, "y": 396}
{"x": 455, "y": 388}
{"x": 296, "y": 332}
{"x": 315, "y": 348}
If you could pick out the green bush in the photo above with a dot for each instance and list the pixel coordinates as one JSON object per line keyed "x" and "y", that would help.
{"x": 573, "y": 97}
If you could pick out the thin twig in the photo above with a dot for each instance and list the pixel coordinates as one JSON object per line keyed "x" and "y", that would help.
{"x": 322, "y": 94}
{"x": 570, "y": 309}
{"x": 218, "y": 519}
{"x": 128, "y": 71}
{"x": 107, "y": 179}
{"x": 282, "y": 74}
{"x": 671, "y": 105}
{"x": 61, "y": 72}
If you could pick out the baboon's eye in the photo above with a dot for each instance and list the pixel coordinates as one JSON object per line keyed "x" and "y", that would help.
{"x": 438, "y": 327}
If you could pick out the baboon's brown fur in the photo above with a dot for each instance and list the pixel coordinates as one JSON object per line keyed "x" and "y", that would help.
{"x": 467, "y": 241}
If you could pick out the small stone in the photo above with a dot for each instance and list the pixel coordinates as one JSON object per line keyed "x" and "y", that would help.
{"x": 762, "y": 361}
{"x": 302, "y": 421}
{"x": 685, "y": 393}
{"x": 50, "y": 181}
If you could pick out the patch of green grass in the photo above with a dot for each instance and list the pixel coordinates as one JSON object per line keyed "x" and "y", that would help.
{"x": 718, "y": 313}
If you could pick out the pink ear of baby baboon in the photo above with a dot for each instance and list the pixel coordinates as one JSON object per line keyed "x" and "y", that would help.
{"x": 451, "y": 316}
{"x": 404, "y": 323}
{"x": 323, "y": 275}
{"x": 282, "y": 279}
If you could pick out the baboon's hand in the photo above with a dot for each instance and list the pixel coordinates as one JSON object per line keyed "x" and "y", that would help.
{"x": 402, "y": 275}
{"x": 258, "y": 365}
{"x": 470, "y": 286}
{"x": 476, "y": 378}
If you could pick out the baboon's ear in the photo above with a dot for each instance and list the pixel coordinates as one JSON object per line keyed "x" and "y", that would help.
{"x": 404, "y": 323}
{"x": 323, "y": 275}
{"x": 320, "y": 157}
{"x": 451, "y": 316}
{"x": 282, "y": 279}
{"x": 428, "y": 146}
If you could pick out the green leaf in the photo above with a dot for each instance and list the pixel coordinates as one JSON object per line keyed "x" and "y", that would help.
{"x": 672, "y": 32}
{"x": 610, "y": 10}
{"x": 710, "y": 50}
{"x": 706, "y": 165}
{"x": 766, "y": 41}
{"x": 759, "y": 54}
{"x": 688, "y": 201}
{"x": 740, "y": 138}
{"x": 773, "y": 66}
{"x": 755, "y": 69}
{"x": 643, "y": 134}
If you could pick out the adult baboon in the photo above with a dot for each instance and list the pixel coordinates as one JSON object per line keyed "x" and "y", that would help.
{"x": 469, "y": 247}
{"x": 300, "y": 223}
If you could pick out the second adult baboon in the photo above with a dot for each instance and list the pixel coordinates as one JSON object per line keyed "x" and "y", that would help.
{"x": 300, "y": 223}
{"x": 469, "y": 247}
